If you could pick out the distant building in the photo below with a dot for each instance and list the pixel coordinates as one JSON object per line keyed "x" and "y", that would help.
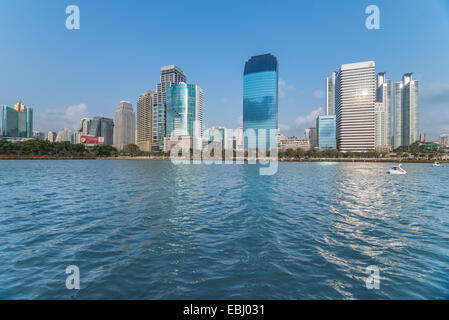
{"x": 102, "y": 127}
{"x": 184, "y": 116}
{"x": 51, "y": 136}
{"x": 444, "y": 139}
{"x": 355, "y": 89}
{"x": 219, "y": 134}
{"x": 313, "y": 137}
{"x": 422, "y": 137}
{"x": 382, "y": 113}
{"x": 145, "y": 128}
{"x": 124, "y": 125}
{"x": 170, "y": 76}
{"x": 38, "y": 135}
{"x": 330, "y": 94}
{"x": 17, "y": 121}
{"x": 294, "y": 143}
{"x": 406, "y": 112}
{"x": 326, "y": 132}
{"x": 64, "y": 136}
{"x": 260, "y": 100}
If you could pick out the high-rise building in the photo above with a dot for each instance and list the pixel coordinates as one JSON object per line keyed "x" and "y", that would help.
{"x": 64, "y": 136}
{"x": 219, "y": 134}
{"x": 145, "y": 106}
{"x": 444, "y": 139}
{"x": 102, "y": 127}
{"x": 355, "y": 93}
{"x": 17, "y": 121}
{"x": 422, "y": 137}
{"x": 51, "y": 136}
{"x": 184, "y": 112}
{"x": 313, "y": 137}
{"x": 382, "y": 113}
{"x": 170, "y": 75}
{"x": 124, "y": 125}
{"x": 326, "y": 132}
{"x": 260, "y": 100}
{"x": 406, "y": 112}
{"x": 330, "y": 94}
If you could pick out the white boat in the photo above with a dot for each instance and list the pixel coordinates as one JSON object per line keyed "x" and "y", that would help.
{"x": 397, "y": 170}
{"x": 437, "y": 164}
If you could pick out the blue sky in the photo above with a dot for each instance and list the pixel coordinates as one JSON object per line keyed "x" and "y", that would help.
{"x": 118, "y": 52}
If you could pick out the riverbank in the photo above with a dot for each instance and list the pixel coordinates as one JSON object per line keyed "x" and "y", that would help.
{"x": 382, "y": 160}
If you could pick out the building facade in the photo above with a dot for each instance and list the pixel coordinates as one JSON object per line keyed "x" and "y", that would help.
{"x": 260, "y": 101}
{"x": 170, "y": 75}
{"x": 64, "y": 136}
{"x": 17, "y": 121}
{"x": 184, "y": 112}
{"x": 293, "y": 143}
{"x": 145, "y": 106}
{"x": 444, "y": 139}
{"x": 406, "y": 111}
{"x": 330, "y": 94}
{"x": 219, "y": 134}
{"x": 124, "y": 125}
{"x": 382, "y": 112}
{"x": 326, "y": 132}
{"x": 355, "y": 89}
{"x": 102, "y": 127}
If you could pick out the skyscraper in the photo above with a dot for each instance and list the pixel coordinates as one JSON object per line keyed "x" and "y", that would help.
{"x": 64, "y": 136}
{"x": 355, "y": 88}
{"x": 260, "y": 100}
{"x": 330, "y": 94}
{"x": 184, "y": 112}
{"x": 382, "y": 113}
{"x": 170, "y": 75}
{"x": 326, "y": 132}
{"x": 406, "y": 112}
{"x": 17, "y": 121}
{"x": 102, "y": 127}
{"x": 145, "y": 120}
{"x": 124, "y": 125}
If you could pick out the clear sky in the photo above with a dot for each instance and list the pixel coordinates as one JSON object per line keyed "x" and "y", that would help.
{"x": 118, "y": 52}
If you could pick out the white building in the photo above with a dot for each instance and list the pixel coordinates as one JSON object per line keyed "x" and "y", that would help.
{"x": 406, "y": 112}
{"x": 64, "y": 135}
{"x": 294, "y": 143}
{"x": 355, "y": 93}
{"x": 382, "y": 112}
{"x": 51, "y": 136}
{"x": 124, "y": 125}
{"x": 444, "y": 139}
{"x": 330, "y": 94}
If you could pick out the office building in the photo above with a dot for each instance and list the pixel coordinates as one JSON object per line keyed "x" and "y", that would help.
{"x": 355, "y": 93}
{"x": 184, "y": 113}
{"x": 444, "y": 139}
{"x": 219, "y": 134}
{"x": 293, "y": 143}
{"x": 330, "y": 94}
{"x": 124, "y": 125}
{"x": 382, "y": 113}
{"x": 64, "y": 136}
{"x": 170, "y": 75}
{"x": 260, "y": 101}
{"x": 102, "y": 127}
{"x": 144, "y": 133}
{"x": 17, "y": 121}
{"x": 326, "y": 132}
{"x": 51, "y": 136}
{"x": 406, "y": 111}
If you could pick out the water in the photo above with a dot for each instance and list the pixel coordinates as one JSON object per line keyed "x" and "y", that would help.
{"x": 153, "y": 230}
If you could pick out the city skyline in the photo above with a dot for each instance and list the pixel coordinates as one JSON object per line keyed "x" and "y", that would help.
{"x": 305, "y": 61}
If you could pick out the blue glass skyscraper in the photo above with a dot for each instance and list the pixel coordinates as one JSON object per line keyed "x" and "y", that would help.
{"x": 260, "y": 100}
{"x": 326, "y": 132}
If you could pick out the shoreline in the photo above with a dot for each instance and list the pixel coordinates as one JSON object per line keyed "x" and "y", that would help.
{"x": 358, "y": 160}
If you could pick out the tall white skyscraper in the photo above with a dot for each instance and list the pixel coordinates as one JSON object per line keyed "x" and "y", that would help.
{"x": 406, "y": 112}
{"x": 330, "y": 94}
{"x": 145, "y": 120}
{"x": 383, "y": 112}
{"x": 355, "y": 89}
{"x": 170, "y": 75}
{"x": 124, "y": 125}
